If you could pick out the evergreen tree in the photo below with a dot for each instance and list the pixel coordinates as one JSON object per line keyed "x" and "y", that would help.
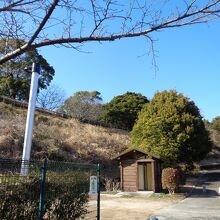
{"x": 122, "y": 110}
{"x": 171, "y": 127}
{"x": 14, "y": 81}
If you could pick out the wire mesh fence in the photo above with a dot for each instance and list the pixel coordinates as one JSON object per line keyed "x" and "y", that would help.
{"x": 19, "y": 194}
{"x": 46, "y": 190}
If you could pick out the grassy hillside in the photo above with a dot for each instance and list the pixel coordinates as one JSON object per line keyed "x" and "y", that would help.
{"x": 66, "y": 139}
{"x": 58, "y": 138}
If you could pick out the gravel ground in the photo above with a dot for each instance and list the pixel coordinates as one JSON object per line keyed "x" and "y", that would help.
{"x": 132, "y": 208}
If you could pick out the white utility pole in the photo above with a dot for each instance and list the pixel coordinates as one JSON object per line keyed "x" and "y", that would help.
{"x": 30, "y": 119}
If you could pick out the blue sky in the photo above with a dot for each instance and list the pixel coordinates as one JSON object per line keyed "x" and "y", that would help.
{"x": 187, "y": 58}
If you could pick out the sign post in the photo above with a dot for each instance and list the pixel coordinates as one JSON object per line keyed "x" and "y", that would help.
{"x": 30, "y": 119}
{"x": 93, "y": 186}
{"x": 98, "y": 191}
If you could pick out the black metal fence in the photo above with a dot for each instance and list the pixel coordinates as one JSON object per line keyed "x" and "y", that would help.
{"x": 47, "y": 190}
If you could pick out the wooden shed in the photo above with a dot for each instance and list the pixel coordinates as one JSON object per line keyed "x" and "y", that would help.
{"x": 139, "y": 171}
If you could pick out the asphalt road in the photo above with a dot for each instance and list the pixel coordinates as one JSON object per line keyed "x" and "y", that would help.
{"x": 202, "y": 204}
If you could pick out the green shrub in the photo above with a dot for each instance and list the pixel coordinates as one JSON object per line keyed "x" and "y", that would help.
{"x": 65, "y": 198}
{"x": 170, "y": 179}
{"x": 171, "y": 126}
{"x": 20, "y": 201}
{"x": 66, "y": 195}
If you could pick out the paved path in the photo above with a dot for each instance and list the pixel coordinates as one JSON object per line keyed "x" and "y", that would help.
{"x": 200, "y": 205}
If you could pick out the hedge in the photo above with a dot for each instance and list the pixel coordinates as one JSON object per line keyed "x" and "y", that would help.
{"x": 66, "y": 197}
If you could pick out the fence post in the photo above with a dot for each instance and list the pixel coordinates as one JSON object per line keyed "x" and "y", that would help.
{"x": 98, "y": 192}
{"x": 42, "y": 189}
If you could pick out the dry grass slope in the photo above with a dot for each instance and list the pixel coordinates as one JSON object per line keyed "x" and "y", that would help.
{"x": 58, "y": 138}
{"x": 215, "y": 136}
{"x": 66, "y": 139}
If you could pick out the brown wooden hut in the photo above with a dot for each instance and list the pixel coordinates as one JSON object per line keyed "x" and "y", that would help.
{"x": 139, "y": 171}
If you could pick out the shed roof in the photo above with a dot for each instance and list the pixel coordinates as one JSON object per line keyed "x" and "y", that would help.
{"x": 134, "y": 149}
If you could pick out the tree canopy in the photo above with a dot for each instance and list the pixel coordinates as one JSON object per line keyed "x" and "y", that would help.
{"x": 171, "y": 127}
{"x": 122, "y": 111}
{"x": 72, "y": 23}
{"x": 14, "y": 81}
{"x": 83, "y": 105}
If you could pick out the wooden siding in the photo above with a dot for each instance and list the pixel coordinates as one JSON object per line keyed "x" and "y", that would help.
{"x": 157, "y": 178}
{"x": 129, "y": 175}
{"x": 129, "y": 170}
{"x": 154, "y": 179}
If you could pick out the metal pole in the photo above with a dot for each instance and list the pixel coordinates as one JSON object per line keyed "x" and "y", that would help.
{"x": 30, "y": 119}
{"x": 42, "y": 189}
{"x": 98, "y": 191}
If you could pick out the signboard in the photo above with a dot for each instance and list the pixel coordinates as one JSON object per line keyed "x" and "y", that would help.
{"x": 93, "y": 185}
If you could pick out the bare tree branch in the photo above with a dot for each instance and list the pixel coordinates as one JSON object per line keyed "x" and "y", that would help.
{"x": 52, "y": 98}
{"x": 43, "y": 22}
{"x": 71, "y": 23}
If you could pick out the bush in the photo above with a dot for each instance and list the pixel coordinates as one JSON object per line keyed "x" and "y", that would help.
{"x": 111, "y": 185}
{"x": 170, "y": 179}
{"x": 20, "y": 201}
{"x": 171, "y": 126}
{"x": 66, "y": 197}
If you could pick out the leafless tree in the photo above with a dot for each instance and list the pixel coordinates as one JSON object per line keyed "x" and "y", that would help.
{"x": 71, "y": 23}
{"x": 51, "y": 98}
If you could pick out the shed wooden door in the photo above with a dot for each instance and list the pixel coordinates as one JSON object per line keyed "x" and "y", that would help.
{"x": 145, "y": 176}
